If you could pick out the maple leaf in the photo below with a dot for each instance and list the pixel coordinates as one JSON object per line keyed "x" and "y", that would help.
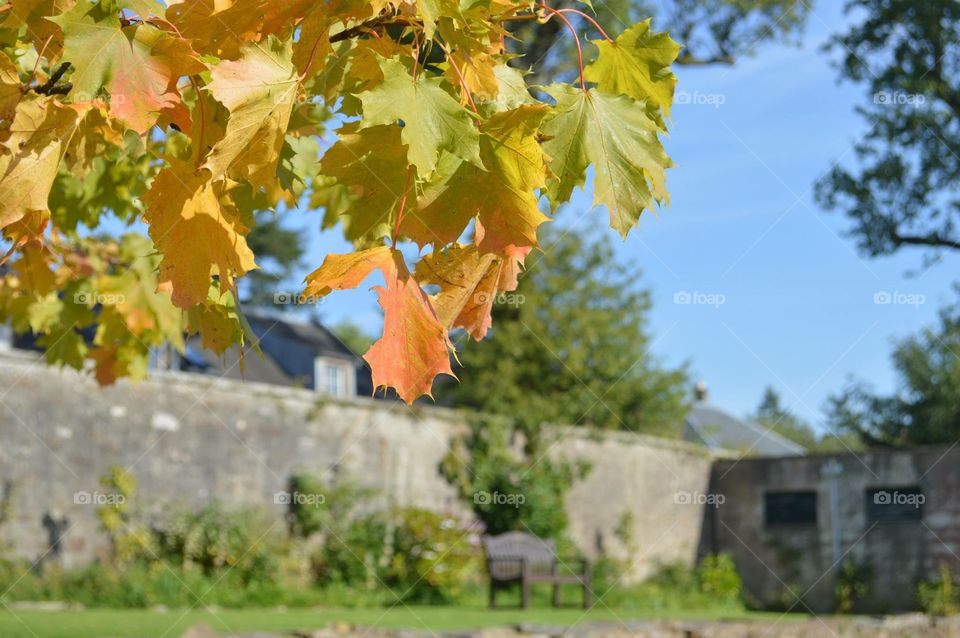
{"x": 616, "y": 135}
{"x": 502, "y": 197}
{"x": 197, "y": 232}
{"x": 372, "y": 164}
{"x": 469, "y": 284}
{"x": 223, "y": 27}
{"x": 432, "y": 118}
{"x": 10, "y": 92}
{"x": 217, "y": 322}
{"x": 30, "y": 156}
{"x": 235, "y": 138}
{"x": 31, "y": 14}
{"x": 134, "y": 291}
{"x": 478, "y": 73}
{"x": 637, "y": 65}
{"x": 259, "y": 90}
{"x": 138, "y": 64}
{"x": 414, "y": 348}
{"x": 345, "y": 272}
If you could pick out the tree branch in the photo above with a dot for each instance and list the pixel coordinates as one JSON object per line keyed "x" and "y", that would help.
{"x": 688, "y": 59}
{"x": 933, "y": 239}
{"x": 403, "y": 21}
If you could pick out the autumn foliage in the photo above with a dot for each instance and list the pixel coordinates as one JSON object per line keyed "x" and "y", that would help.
{"x": 401, "y": 120}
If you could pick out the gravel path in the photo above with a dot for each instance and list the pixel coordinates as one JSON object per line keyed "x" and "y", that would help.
{"x": 905, "y": 626}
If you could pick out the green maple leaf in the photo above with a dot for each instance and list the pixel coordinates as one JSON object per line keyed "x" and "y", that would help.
{"x": 433, "y": 119}
{"x": 502, "y": 197}
{"x": 372, "y": 164}
{"x": 637, "y": 65}
{"x": 615, "y": 134}
{"x": 91, "y": 33}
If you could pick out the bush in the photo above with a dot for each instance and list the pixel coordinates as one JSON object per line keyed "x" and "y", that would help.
{"x": 356, "y": 558}
{"x": 216, "y": 538}
{"x": 853, "y": 583}
{"x": 939, "y": 597}
{"x": 714, "y": 584}
{"x": 485, "y": 462}
{"x": 433, "y": 558}
{"x": 718, "y": 578}
{"x": 419, "y": 555}
{"x": 323, "y": 508}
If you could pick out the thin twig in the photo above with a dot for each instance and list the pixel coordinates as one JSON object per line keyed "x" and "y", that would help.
{"x": 576, "y": 40}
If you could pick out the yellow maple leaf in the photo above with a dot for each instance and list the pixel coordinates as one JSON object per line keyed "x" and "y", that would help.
{"x": 259, "y": 90}
{"x": 198, "y": 232}
{"x": 30, "y": 155}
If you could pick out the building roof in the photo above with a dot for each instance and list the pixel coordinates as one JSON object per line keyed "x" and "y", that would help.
{"x": 289, "y": 348}
{"x": 719, "y": 430}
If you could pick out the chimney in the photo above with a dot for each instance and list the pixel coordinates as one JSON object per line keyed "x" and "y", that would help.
{"x": 700, "y": 392}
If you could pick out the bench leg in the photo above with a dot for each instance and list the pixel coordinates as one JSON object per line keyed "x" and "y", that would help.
{"x": 556, "y": 595}
{"x": 493, "y": 594}
{"x": 524, "y": 594}
{"x": 587, "y": 596}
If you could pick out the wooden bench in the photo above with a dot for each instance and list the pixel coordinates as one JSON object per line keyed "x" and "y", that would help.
{"x": 517, "y": 557}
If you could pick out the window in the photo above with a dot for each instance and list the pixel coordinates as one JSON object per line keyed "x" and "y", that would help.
{"x": 334, "y": 378}
{"x": 892, "y": 504}
{"x": 790, "y": 508}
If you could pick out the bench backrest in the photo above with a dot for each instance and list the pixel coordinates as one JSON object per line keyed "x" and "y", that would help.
{"x": 508, "y": 552}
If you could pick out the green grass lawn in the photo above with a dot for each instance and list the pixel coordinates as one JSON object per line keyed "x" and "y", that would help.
{"x": 124, "y": 623}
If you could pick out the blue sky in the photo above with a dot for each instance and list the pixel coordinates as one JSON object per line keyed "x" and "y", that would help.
{"x": 798, "y": 307}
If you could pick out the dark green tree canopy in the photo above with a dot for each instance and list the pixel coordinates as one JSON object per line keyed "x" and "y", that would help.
{"x": 926, "y": 411}
{"x": 903, "y": 188}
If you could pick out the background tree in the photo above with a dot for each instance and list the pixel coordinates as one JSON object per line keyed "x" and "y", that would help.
{"x": 571, "y": 346}
{"x": 927, "y": 408}
{"x": 279, "y": 252}
{"x": 903, "y": 189}
{"x": 712, "y": 31}
{"x": 773, "y": 415}
{"x": 353, "y": 336}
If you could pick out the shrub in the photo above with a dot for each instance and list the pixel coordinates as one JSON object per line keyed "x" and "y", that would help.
{"x": 939, "y": 597}
{"x": 215, "y": 538}
{"x": 713, "y": 585}
{"x": 357, "y": 557}
{"x": 419, "y": 555}
{"x": 433, "y": 557}
{"x": 853, "y": 583}
{"x": 484, "y": 462}
{"x": 718, "y": 577}
{"x": 325, "y": 508}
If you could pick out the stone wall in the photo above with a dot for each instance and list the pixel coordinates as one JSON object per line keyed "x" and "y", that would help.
{"x": 775, "y": 559}
{"x": 189, "y": 439}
